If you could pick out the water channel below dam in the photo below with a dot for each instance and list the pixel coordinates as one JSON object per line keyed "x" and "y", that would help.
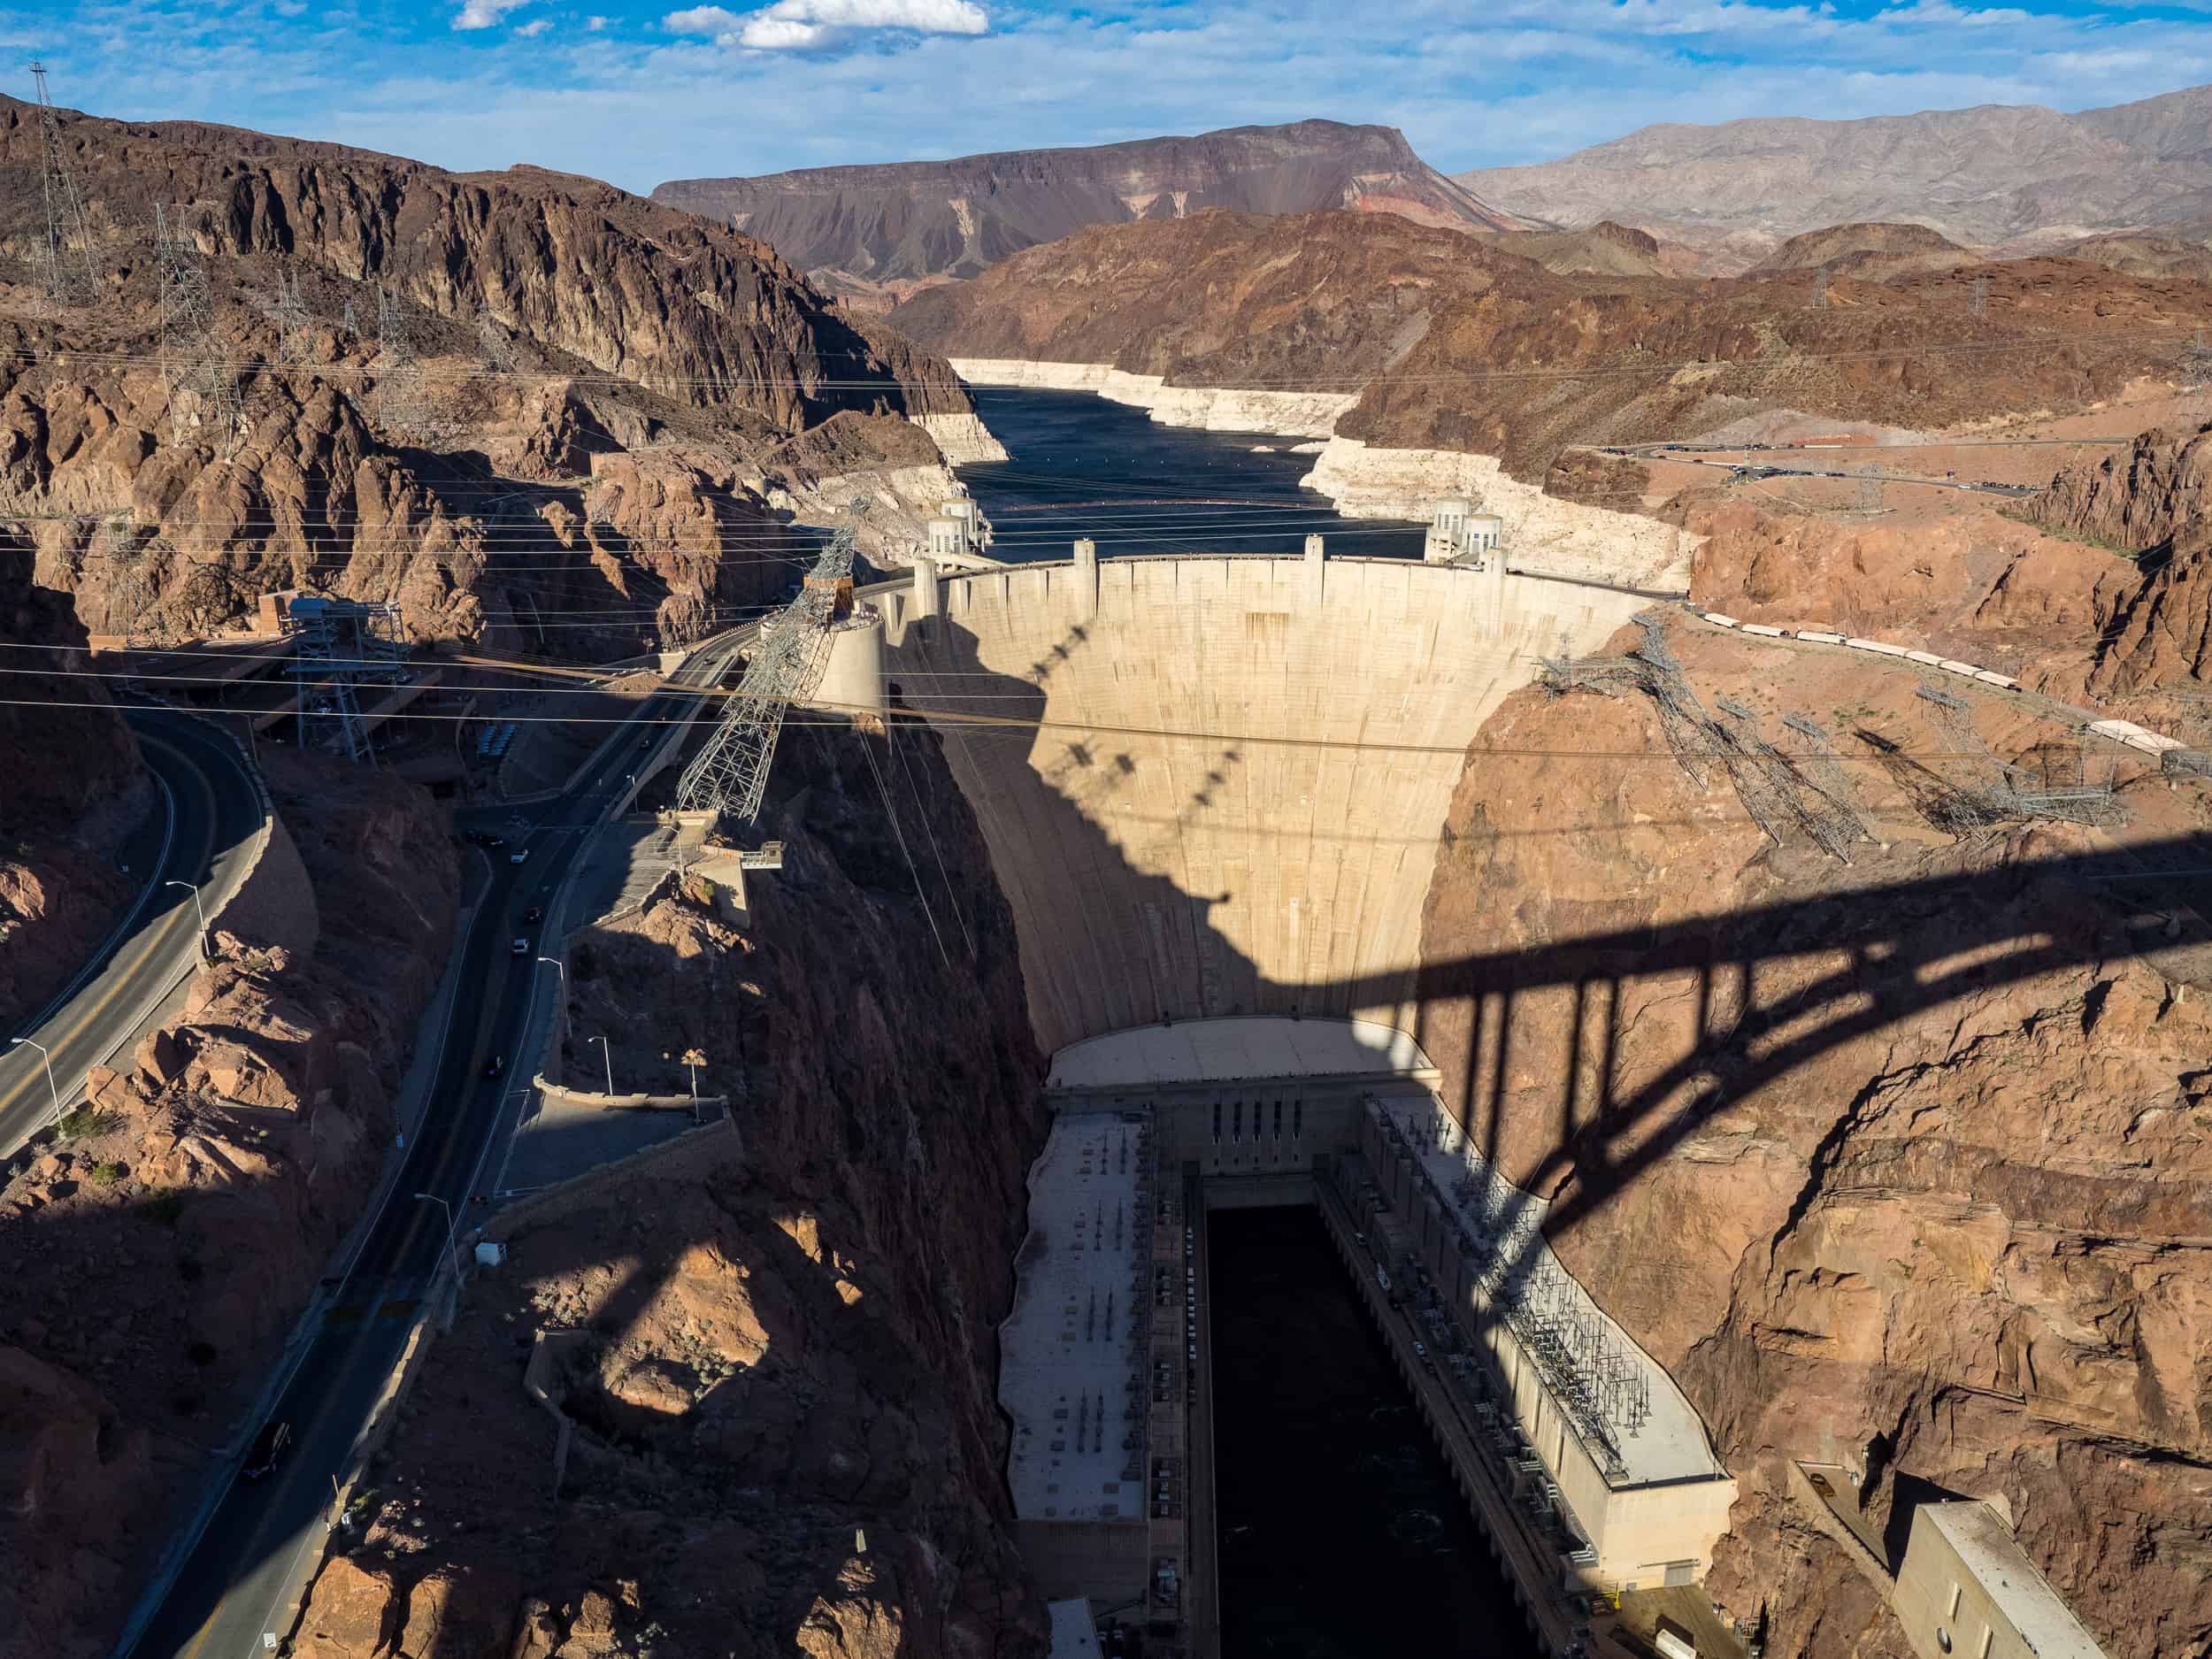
{"x": 1342, "y": 1534}
{"x": 1081, "y": 465}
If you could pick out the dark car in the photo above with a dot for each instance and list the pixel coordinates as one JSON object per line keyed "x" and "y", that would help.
{"x": 271, "y": 1446}
{"x": 534, "y": 914}
{"x": 494, "y": 1066}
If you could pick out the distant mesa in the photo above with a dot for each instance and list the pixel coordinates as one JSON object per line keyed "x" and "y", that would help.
{"x": 877, "y": 235}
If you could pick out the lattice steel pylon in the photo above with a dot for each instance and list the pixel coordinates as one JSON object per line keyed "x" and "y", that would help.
{"x": 291, "y": 315}
{"x": 401, "y": 403}
{"x": 64, "y": 279}
{"x": 2196, "y": 365}
{"x": 730, "y": 775}
{"x": 201, "y": 381}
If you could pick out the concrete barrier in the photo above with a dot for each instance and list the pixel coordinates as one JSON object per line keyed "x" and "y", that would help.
{"x": 711, "y": 1146}
{"x": 594, "y": 1099}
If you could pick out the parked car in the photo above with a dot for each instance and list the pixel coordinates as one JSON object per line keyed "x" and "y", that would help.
{"x": 494, "y": 1066}
{"x": 520, "y": 948}
{"x": 270, "y": 1448}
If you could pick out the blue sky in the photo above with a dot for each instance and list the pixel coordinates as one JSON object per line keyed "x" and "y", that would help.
{"x": 637, "y": 93}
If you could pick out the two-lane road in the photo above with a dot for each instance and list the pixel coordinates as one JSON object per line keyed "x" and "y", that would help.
{"x": 237, "y": 1581}
{"x": 214, "y": 817}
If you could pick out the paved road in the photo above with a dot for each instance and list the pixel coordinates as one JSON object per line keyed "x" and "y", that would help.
{"x": 217, "y": 814}
{"x": 235, "y": 1583}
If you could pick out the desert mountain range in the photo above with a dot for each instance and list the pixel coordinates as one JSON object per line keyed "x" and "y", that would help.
{"x": 878, "y": 232}
{"x": 2017, "y": 176}
{"x": 2014, "y": 179}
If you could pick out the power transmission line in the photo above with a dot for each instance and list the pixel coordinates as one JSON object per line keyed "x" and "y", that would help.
{"x": 200, "y": 382}
{"x": 65, "y": 209}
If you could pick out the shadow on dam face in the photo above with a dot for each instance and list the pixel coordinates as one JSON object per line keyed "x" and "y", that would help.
{"x": 1180, "y": 876}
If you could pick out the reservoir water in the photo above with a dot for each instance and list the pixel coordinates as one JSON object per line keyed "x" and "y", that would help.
{"x": 1342, "y": 1535}
{"x": 1081, "y": 465}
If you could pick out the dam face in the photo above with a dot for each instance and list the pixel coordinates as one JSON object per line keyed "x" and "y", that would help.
{"x": 1234, "y": 797}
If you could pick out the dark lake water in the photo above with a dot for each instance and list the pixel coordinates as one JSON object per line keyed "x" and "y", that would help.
{"x": 1081, "y": 465}
{"x": 1342, "y": 1536}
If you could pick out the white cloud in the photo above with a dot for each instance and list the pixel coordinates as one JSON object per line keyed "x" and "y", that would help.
{"x": 595, "y": 24}
{"x": 535, "y": 27}
{"x": 791, "y": 25}
{"x": 484, "y": 14}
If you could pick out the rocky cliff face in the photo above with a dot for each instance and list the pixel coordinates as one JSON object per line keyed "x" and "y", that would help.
{"x": 597, "y": 377}
{"x": 154, "y": 1257}
{"x": 1454, "y": 347}
{"x": 2152, "y": 500}
{"x": 1901, "y": 1165}
{"x": 1993, "y": 173}
{"x": 881, "y": 232}
{"x": 780, "y": 1373}
{"x": 60, "y": 824}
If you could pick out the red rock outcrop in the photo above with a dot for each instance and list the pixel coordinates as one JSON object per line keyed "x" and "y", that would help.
{"x": 565, "y": 331}
{"x": 2155, "y": 501}
{"x": 152, "y": 1260}
{"x": 779, "y": 1372}
{"x": 1922, "y": 1190}
{"x": 1464, "y": 347}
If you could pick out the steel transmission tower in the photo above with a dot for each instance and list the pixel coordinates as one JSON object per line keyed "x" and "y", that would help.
{"x": 65, "y": 209}
{"x": 202, "y": 384}
{"x": 400, "y": 401}
{"x": 730, "y": 774}
{"x": 289, "y": 311}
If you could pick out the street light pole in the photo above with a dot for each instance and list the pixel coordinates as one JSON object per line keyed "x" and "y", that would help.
{"x": 47, "y": 1060}
{"x": 452, "y": 1238}
{"x": 607, "y": 1053}
{"x": 199, "y": 909}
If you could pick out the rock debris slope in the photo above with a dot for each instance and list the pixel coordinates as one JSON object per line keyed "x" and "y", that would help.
{"x": 780, "y": 1365}
{"x": 151, "y": 1261}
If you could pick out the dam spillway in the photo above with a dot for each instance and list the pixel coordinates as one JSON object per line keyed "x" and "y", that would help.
{"x": 1214, "y": 784}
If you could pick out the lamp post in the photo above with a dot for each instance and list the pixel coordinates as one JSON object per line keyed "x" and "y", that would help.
{"x": 47, "y": 1060}
{"x": 452, "y": 1238}
{"x": 607, "y": 1053}
{"x": 199, "y": 909}
{"x": 692, "y": 1061}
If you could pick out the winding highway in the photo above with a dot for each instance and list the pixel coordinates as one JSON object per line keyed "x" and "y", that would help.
{"x": 203, "y": 831}
{"x": 234, "y": 1569}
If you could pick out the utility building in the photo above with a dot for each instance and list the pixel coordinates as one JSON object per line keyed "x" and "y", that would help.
{"x": 1460, "y": 534}
{"x": 1966, "y": 1591}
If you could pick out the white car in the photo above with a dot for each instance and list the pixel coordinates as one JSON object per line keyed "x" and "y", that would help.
{"x": 518, "y": 856}
{"x": 520, "y": 948}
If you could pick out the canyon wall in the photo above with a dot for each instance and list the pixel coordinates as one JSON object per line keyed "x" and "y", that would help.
{"x": 1543, "y": 533}
{"x": 1210, "y": 407}
{"x": 1233, "y": 801}
{"x": 1452, "y": 343}
{"x": 620, "y": 368}
{"x": 155, "y": 1256}
{"x": 1900, "y": 1164}
{"x": 777, "y": 1371}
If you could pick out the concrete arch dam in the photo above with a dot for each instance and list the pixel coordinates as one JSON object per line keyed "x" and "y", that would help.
{"x": 1271, "y": 852}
